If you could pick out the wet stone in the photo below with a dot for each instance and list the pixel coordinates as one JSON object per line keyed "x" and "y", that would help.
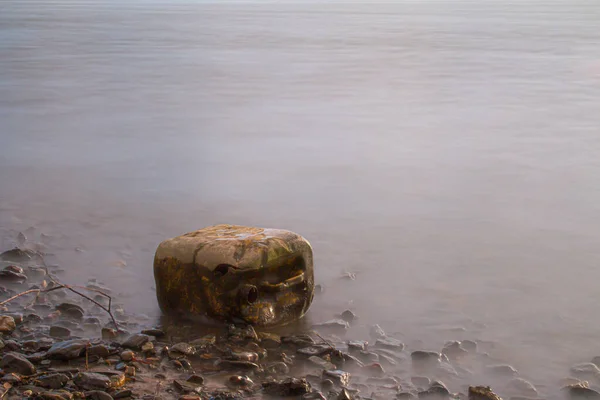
{"x": 184, "y": 348}
{"x": 376, "y": 332}
{"x": 67, "y": 350}
{"x": 127, "y": 355}
{"x": 204, "y": 341}
{"x": 348, "y": 316}
{"x": 321, "y": 363}
{"x": 373, "y": 370}
{"x": 15, "y": 362}
{"x": 153, "y": 332}
{"x": 357, "y": 345}
{"x": 318, "y": 350}
{"x": 52, "y": 381}
{"x": 586, "y": 371}
{"x": 109, "y": 333}
{"x": 314, "y": 396}
{"x": 8, "y": 275}
{"x": 333, "y": 326}
{"x": 98, "y": 395}
{"x": 92, "y": 381}
{"x": 238, "y": 365}
{"x": 579, "y": 392}
{"x": 367, "y": 356}
{"x": 389, "y": 343}
{"x": 99, "y": 350}
{"x": 240, "y": 381}
{"x": 339, "y": 377}
{"x": 11, "y": 378}
{"x": 482, "y": 393}
{"x": 454, "y": 351}
{"x": 136, "y": 341}
{"x": 7, "y": 324}
{"x": 269, "y": 340}
{"x": 71, "y": 310}
{"x": 501, "y": 370}
{"x": 186, "y": 387}
{"x": 278, "y": 368}
{"x": 298, "y": 340}
{"x": 522, "y": 387}
{"x": 59, "y": 331}
{"x": 241, "y": 334}
{"x": 243, "y": 356}
{"x": 435, "y": 392}
{"x": 287, "y": 387}
{"x": 425, "y": 358}
{"x": 196, "y": 379}
{"x": 121, "y": 394}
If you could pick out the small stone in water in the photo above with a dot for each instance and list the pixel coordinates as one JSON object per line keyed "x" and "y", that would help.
{"x": 71, "y": 310}
{"x": 376, "y": 332}
{"x": 469, "y": 345}
{"x": 348, "y": 316}
{"x": 425, "y": 357}
{"x": 269, "y": 340}
{"x": 52, "y": 381}
{"x": 186, "y": 387}
{"x": 238, "y": 365}
{"x": 98, "y": 395}
{"x": 59, "y": 332}
{"x": 278, "y": 368}
{"x": 298, "y": 340}
{"x": 502, "y": 370}
{"x": 136, "y": 341}
{"x": 108, "y": 333}
{"x": 374, "y": 370}
{"x": 153, "y": 332}
{"x": 319, "y": 362}
{"x": 420, "y": 381}
{"x": 586, "y": 370}
{"x": 7, "y": 324}
{"x": 342, "y": 378}
{"x": 67, "y": 350}
{"x": 316, "y": 350}
{"x": 287, "y": 387}
{"x": 389, "y": 343}
{"x": 360, "y": 345}
{"x": 454, "y": 351}
{"x": 184, "y": 348}
{"x": 240, "y": 381}
{"x": 482, "y": 393}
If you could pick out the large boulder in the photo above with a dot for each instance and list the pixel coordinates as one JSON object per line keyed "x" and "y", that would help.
{"x": 263, "y": 277}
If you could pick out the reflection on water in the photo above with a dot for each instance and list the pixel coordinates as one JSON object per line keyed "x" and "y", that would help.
{"x": 446, "y": 152}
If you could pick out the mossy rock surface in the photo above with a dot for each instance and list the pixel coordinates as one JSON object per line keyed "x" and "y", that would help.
{"x": 231, "y": 273}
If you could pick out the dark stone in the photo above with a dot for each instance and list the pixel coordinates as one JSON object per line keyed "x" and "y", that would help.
{"x": 92, "y": 381}
{"x": 269, "y": 340}
{"x": 59, "y": 332}
{"x": 196, "y": 379}
{"x": 71, "y": 310}
{"x": 68, "y": 350}
{"x": 52, "y": 381}
{"x": 153, "y": 332}
{"x": 238, "y": 365}
{"x": 348, "y": 316}
{"x": 8, "y": 275}
{"x": 136, "y": 341}
{"x": 241, "y": 334}
{"x": 287, "y": 387}
{"x": 15, "y": 362}
{"x": 22, "y": 256}
{"x": 121, "y": 394}
{"x": 99, "y": 350}
{"x": 11, "y": 378}
{"x": 240, "y": 381}
{"x": 98, "y": 395}
{"x": 186, "y": 387}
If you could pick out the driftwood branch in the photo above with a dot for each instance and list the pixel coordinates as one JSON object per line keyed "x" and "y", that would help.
{"x": 70, "y": 288}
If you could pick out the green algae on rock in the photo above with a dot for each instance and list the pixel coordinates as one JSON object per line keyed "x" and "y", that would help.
{"x": 263, "y": 277}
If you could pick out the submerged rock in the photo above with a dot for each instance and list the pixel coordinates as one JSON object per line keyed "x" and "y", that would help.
{"x": 68, "y": 350}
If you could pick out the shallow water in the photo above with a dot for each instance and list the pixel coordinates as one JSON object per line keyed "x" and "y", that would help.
{"x": 446, "y": 152}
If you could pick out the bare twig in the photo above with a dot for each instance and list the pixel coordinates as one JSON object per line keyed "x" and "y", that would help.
{"x": 87, "y": 347}
{"x": 70, "y": 288}
{"x": 7, "y": 386}
{"x": 327, "y": 342}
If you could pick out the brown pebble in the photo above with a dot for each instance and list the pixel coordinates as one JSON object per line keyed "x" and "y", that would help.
{"x": 127, "y": 355}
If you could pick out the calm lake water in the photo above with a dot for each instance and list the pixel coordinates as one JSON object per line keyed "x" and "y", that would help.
{"x": 447, "y": 152}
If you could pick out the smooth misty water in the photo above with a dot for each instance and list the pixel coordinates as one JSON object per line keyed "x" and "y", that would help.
{"x": 447, "y": 152}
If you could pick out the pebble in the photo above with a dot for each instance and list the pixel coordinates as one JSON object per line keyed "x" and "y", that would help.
{"x": 15, "y": 362}
{"x": 186, "y": 387}
{"x": 580, "y": 392}
{"x": 52, "y": 381}
{"x": 469, "y": 345}
{"x": 99, "y": 350}
{"x": 348, "y": 316}
{"x": 196, "y": 379}
{"x": 376, "y": 332}
{"x": 240, "y": 381}
{"x": 11, "y": 276}
{"x": 98, "y": 395}
{"x": 339, "y": 377}
{"x": 243, "y": 356}
{"x": 136, "y": 341}
{"x": 109, "y": 333}
{"x": 321, "y": 363}
{"x": 11, "y": 378}
{"x": 344, "y": 395}
{"x": 298, "y": 340}
{"x": 127, "y": 355}
{"x": 120, "y": 394}
{"x": 59, "y": 332}
{"x": 269, "y": 340}
{"x": 318, "y": 350}
{"x": 204, "y": 341}
{"x": 389, "y": 343}
{"x": 357, "y": 345}
{"x": 454, "y": 351}
{"x": 153, "y": 332}
{"x": 334, "y": 326}
{"x": 586, "y": 370}
{"x": 287, "y": 387}
{"x": 373, "y": 370}
{"x": 71, "y": 310}
{"x": 241, "y": 334}
{"x": 278, "y": 368}
{"x": 92, "y": 381}
{"x": 184, "y": 348}
{"x": 67, "y": 350}
{"x": 7, "y": 324}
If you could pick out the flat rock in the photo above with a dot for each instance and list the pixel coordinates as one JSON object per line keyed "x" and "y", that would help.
{"x": 15, "y": 362}
{"x": 92, "y": 381}
{"x": 389, "y": 343}
{"x": 321, "y": 363}
{"x": 136, "y": 341}
{"x": 67, "y": 350}
{"x": 318, "y": 350}
{"x": 52, "y": 381}
{"x": 333, "y": 325}
{"x": 287, "y": 387}
{"x": 59, "y": 331}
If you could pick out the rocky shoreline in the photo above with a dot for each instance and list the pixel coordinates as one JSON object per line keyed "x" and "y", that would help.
{"x": 67, "y": 342}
